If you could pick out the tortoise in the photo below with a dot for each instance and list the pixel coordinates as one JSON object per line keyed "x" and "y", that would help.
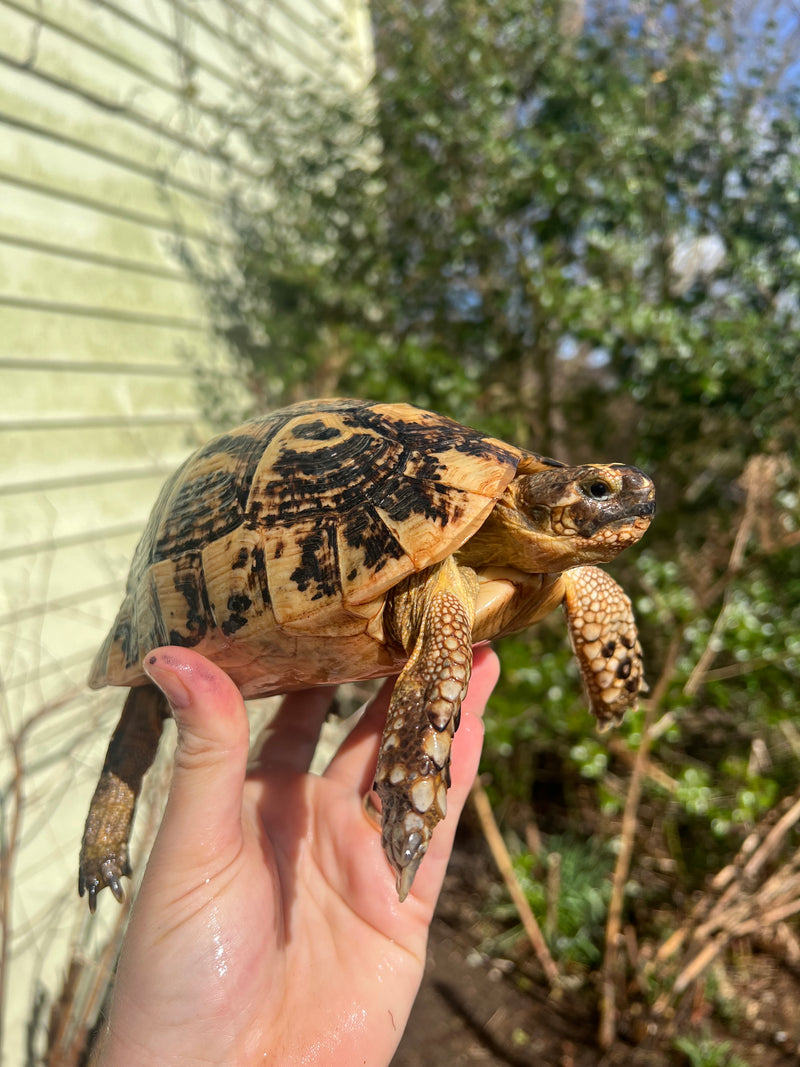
{"x": 339, "y": 540}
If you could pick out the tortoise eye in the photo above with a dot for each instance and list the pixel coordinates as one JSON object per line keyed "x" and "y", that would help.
{"x": 598, "y": 490}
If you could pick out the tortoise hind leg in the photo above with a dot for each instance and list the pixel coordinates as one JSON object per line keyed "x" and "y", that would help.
{"x": 435, "y": 613}
{"x": 104, "y": 850}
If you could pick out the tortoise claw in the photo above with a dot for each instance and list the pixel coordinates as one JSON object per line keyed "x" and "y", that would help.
{"x": 404, "y": 849}
{"x": 92, "y": 878}
{"x": 405, "y": 878}
{"x": 372, "y": 810}
{"x": 111, "y": 879}
{"x": 91, "y": 889}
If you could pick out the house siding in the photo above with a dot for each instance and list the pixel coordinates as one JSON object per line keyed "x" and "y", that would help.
{"x": 108, "y": 135}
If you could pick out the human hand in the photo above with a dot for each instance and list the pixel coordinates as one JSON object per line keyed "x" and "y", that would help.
{"x": 267, "y": 928}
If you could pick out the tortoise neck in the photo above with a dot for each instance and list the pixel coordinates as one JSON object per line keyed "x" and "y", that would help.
{"x": 507, "y": 539}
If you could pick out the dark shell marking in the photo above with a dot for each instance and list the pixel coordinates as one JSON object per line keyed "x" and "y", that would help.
{"x": 321, "y": 544}
{"x": 301, "y": 512}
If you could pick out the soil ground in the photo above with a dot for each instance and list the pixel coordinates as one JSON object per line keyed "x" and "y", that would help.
{"x": 475, "y": 1011}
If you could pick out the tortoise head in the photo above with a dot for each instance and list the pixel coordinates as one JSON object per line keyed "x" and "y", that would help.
{"x": 570, "y": 516}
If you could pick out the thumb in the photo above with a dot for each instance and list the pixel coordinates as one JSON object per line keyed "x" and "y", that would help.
{"x": 202, "y": 824}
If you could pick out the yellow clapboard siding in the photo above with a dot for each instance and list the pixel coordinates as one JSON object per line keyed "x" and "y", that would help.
{"x": 107, "y": 135}
{"x": 68, "y": 509}
{"x": 82, "y": 445}
{"x": 53, "y": 392}
{"x": 91, "y": 284}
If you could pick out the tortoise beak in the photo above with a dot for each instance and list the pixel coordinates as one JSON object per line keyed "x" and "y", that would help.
{"x": 639, "y": 489}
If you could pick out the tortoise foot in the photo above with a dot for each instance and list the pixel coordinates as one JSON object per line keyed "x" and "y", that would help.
{"x": 411, "y": 782}
{"x": 603, "y": 633}
{"x": 406, "y": 832}
{"x": 413, "y": 772}
{"x": 94, "y": 875}
{"x": 104, "y": 851}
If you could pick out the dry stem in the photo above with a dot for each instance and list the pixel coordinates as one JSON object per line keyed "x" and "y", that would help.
{"x": 501, "y": 857}
{"x": 608, "y": 974}
{"x": 733, "y": 914}
{"x": 736, "y": 905}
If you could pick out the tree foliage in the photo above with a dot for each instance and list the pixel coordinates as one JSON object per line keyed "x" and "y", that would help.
{"x": 517, "y": 225}
{"x": 586, "y": 242}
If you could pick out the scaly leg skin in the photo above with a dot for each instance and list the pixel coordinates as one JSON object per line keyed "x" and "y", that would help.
{"x": 603, "y": 633}
{"x": 104, "y": 851}
{"x": 413, "y": 771}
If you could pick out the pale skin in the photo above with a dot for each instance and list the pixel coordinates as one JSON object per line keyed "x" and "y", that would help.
{"x": 267, "y": 929}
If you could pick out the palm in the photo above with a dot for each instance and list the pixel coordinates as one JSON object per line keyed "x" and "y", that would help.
{"x": 283, "y": 932}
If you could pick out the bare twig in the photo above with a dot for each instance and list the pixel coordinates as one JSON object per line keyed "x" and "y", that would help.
{"x": 608, "y": 977}
{"x": 82, "y": 994}
{"x": 501, "y": 857}
{"x": 553, "y": 892}
{"x": 734, "y": 670}
{"x": 735, "y": 564}
{"x": 656, "y": 774}
{"x": 533, "y": 839}
{"x": 772, "y": 842}
{"x": 736, "y": 905}
{"x": 8, "y": 850}
{"x": 759, "y": 479}
{"x": 10, "y": 835}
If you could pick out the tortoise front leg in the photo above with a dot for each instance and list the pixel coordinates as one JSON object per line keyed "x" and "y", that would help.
{"x": 434, "y": 613}
{"x": 104, "y": 851}
{"x": 602, "y": 629}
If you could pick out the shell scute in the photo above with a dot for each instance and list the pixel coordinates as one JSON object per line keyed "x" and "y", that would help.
{"x": 300, "y": 477}
{"x": 207, "y": 497}
{"x": 182, "y": 599}
{"x": 236, "y": 581}
{"x": 301, "y": 521}
{"x": 303, "y": 570}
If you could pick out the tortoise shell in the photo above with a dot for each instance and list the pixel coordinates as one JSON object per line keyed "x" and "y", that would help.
{"x": 294, "y": 527}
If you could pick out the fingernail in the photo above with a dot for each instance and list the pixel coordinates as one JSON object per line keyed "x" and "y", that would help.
{"x": 168, "y": 682}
